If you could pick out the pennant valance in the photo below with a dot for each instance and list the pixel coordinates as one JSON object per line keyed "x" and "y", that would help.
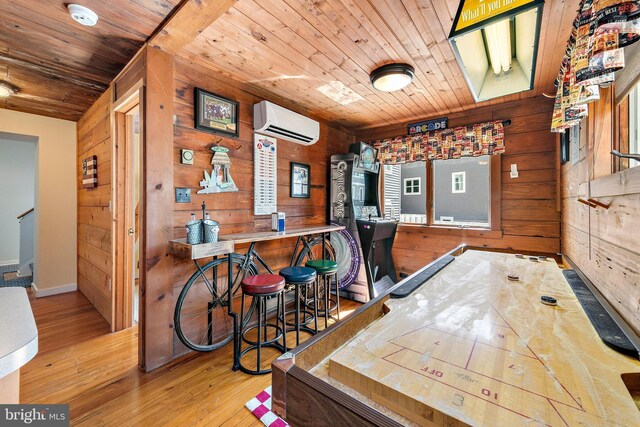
{"x": 594, "y": 52}
{"x": 463, "y": 141}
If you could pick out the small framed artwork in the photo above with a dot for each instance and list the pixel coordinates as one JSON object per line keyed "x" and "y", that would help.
{"x": 90, "y": 172}
{"x": 300, "y": 180}
{"x": 564, "y": 146}
{"x": 215, "y": 113}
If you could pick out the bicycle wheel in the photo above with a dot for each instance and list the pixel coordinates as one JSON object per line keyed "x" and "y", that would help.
{"x": 316, "y": 251}
{"x": 201, "y": 316}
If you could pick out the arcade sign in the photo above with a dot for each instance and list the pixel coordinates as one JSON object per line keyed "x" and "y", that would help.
{"x": 427, "y": 125}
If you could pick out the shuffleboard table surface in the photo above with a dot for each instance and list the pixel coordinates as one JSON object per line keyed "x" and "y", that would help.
{"x": 472, "y": 347}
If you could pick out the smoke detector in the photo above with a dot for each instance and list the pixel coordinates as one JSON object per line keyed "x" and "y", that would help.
{"x": 83, "y": 15}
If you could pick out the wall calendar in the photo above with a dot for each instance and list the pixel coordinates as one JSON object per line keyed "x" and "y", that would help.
{"x": 265, "y": 176}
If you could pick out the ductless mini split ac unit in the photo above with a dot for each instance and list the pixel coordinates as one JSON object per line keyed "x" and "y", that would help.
{"x": 274, "y": 120}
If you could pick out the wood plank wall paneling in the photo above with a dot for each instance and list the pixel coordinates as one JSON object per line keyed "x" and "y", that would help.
{"x": 94, "y": 216}
{"x": 234, "y": 211}
{"x": 603, "y": 243}
{"x": 530, "y": 212}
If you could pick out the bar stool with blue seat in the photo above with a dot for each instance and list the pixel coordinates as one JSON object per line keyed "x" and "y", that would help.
{"x": 326, "y": 270}
{"x": 263, "y": 287}
{"x": 300, "y": 278}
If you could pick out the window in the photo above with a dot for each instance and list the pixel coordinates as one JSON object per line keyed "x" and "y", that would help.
{"x": 634, "y": 124}
{"x": 456, "y": 201}
{"x": 448, "y": 197}
{"x": 412, "y": 186}
{"x": 404, "y": 198}
{"x": 457, "y": 182}
{"x": 392, "y": 191}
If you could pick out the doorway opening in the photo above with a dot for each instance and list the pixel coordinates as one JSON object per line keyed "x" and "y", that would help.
{"x": 128, "y": 208}
{"x": 18, "y": 177}
{"x": 133, "y": 133}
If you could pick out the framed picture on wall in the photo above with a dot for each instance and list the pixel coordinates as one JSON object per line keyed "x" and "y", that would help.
{"x": 90, "y": 172}
{"x": 215, "y": 113}
{"x": 300, "y": 180}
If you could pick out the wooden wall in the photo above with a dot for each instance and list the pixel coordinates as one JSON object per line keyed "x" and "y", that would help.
{"x": 234, "y": 211}
{"x": 603, "y": 243}
{"x": 94, "y": 216}
{"x": 530, "y": 207}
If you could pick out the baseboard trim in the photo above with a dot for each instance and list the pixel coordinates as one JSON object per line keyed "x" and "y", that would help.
{"x": 9, "y": 262}
{"x": 53, "y": 291}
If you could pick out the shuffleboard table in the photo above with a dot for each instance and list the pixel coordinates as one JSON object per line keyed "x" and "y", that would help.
{"x": 470, "y": 346}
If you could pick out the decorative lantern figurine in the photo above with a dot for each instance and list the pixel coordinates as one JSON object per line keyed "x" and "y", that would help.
{"x": 220, "y": 180}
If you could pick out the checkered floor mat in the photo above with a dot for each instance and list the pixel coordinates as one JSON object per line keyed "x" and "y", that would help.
{"x": 260, "y": 406}
{"x": 7, "y": 280}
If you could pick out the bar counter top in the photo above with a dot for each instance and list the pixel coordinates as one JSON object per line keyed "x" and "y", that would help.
{"x": 18, "y": 331}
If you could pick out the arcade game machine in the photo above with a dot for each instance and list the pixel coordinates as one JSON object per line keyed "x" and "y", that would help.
{"x": 363, "y": 249}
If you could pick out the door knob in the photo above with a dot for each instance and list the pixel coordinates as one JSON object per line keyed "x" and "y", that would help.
{"x": 130, "y": 231}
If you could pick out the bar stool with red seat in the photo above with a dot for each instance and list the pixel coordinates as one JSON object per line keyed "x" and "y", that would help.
{"x": 263, "y": 287}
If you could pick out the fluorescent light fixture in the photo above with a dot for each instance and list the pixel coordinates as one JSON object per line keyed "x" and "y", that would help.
{"x": 392, "y": 77}
{"x": 497, "y": 50}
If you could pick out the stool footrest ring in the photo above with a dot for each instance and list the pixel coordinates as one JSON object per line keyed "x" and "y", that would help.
{"x": 278, "y": 334}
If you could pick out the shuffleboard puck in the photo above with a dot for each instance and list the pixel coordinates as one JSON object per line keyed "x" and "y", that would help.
{"x": 533, "y": 258}
{"x": 520, "y": 256}
{"x": 513, "y": 277}
{"x": 548, "y": 300}
{"x": 542, "y": 258}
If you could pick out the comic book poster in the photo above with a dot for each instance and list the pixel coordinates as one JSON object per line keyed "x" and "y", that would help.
{"x": 594, "y": 52}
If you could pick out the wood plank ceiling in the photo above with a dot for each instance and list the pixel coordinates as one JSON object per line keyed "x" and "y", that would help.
{"x": 61, "y": 67}
{"x": 302, "y": 49}
{"x": 317, "y": 53}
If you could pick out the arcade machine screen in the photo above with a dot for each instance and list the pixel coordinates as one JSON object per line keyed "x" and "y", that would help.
{"x": 365, "y": 191}
{"x": 368, "y": 157}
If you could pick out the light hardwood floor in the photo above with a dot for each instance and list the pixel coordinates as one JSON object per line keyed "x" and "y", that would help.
{"x": 96, "y": 373}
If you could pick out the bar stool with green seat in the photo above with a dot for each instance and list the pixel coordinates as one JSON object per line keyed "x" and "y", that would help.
{"x": 327, "y": 270}
{"x": 300, "y": 278}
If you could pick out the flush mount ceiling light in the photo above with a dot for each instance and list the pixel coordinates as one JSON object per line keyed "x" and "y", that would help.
{"x": 7, "y": 89}
{"x": 497, "y": 49}
{"x": 83, "y": 15}
{"x": 391, "y": 77}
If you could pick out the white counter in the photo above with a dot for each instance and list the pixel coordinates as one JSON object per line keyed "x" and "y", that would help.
{"x": 18, "y": 331}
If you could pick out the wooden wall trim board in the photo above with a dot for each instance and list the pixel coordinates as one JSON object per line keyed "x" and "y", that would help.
{"x": 600, "y": 132}
{"x": 130, "y": 76}
{"x": 157, "y": 203}
{"x": 191, "y": 19}
{"x": 122, "y": 191}
{"x": 128, "y": 89}
{"x": 529, "y": 217}
{"x": 623, "y": 183}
